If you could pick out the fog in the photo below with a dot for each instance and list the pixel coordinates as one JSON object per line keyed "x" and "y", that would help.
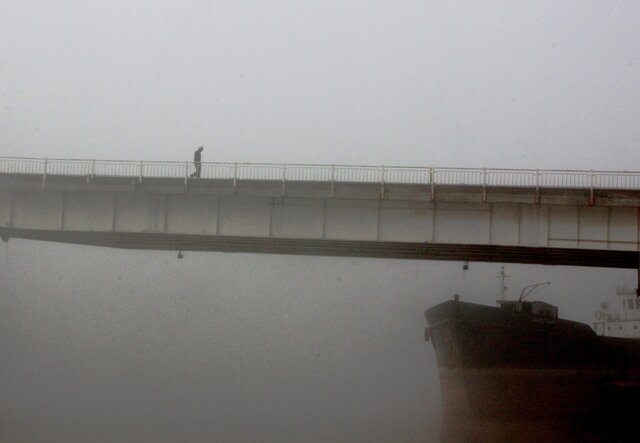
{"x": 109, "y": 345}
{"x": 447, "y": 83}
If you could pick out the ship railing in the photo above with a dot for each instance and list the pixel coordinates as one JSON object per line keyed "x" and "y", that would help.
{"x": 622, "y": 315}
{"x": 425, "y": 176}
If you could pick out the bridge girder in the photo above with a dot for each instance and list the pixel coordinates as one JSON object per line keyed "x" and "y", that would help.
{"x": 337, "y": 248}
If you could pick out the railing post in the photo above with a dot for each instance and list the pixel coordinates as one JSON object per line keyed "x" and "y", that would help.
{"x": 186, "y": 173}
{"x": 382, "y": 182}
{"x": 44, "y": 173}
{"x": 432, "y": 176}
{"x": 141, "y": 166}
{"x": 235, "y": 177}
{"x": 537, "y": 195}
{"x": 484, "y": 185}
{"x": 333, "y": 180}
{"x": 284, "y": 177}
{"x": 591, "y": 185}
{"x": 92, "y": 170}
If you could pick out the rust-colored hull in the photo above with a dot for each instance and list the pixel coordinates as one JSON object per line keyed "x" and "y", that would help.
{"x": 506, "y": 377}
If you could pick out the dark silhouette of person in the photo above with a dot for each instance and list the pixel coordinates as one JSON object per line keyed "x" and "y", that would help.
{"x": 197, "y": 162}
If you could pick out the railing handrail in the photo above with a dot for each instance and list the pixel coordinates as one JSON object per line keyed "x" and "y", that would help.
{"x": 337, "y": 165}
{"x": 429, "y": 175}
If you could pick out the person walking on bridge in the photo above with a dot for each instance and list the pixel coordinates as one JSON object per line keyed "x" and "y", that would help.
{"x": 197, "y": 162}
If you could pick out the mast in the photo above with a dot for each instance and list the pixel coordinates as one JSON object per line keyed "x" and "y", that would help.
{"x": 503, "y": 276}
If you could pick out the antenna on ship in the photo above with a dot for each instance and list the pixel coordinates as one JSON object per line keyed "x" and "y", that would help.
{"x": 531, "y": 288}
{"x": 502, "y": 277}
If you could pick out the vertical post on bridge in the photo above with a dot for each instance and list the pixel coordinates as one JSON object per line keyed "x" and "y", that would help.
{"x": 382, "y": 182}
{"x": 432, "y": 183}
{"x": 235, "y": 177}
{"x": 591, "y": 184}
{"x": 44, "y": 173}
{"x": 333, "y": 180}
{"x": 484, "y": 185}
{"x": 284, "y": 178}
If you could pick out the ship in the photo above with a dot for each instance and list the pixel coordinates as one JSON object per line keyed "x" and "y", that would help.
{"x": 517, "y": 372}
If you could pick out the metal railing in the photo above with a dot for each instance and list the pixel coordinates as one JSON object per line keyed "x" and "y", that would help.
{"x": 430, "y": 176}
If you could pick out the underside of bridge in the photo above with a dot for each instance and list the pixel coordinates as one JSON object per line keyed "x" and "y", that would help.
{"x": 336, "y": 248}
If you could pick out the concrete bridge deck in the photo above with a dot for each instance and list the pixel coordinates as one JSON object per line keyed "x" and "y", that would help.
{"x": 588, "y": 218}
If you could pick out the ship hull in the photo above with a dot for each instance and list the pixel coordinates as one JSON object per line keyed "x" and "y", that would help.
{"x": 507, "y": 377}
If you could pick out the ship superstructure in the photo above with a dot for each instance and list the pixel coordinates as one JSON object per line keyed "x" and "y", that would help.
{"x": 622, "y": 320}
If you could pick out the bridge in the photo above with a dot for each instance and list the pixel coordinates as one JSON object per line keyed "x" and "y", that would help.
{"x": 582, "y": 218}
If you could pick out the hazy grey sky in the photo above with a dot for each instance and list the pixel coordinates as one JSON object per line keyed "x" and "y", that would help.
{"x": 499, "y": 83}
